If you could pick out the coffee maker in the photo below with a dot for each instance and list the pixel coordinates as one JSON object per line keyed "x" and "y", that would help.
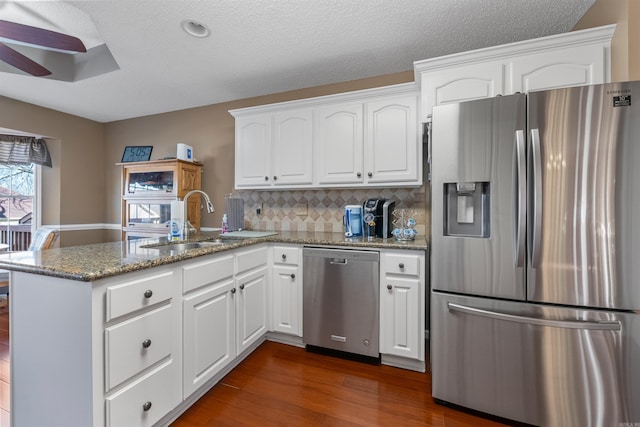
{"x": 382, "y": 212}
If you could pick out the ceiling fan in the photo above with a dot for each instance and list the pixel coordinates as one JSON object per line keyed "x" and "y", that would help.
{"x": 39, "y": 37}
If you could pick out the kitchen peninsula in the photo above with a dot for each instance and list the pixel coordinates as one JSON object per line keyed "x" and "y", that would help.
{"x": 134, "y": 332}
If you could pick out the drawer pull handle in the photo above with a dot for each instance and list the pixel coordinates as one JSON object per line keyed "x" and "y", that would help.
{"x": 148, "y": 293}
{"x": 284, "y": 256}
{"x": 293, "y": 276}
{"x": 146, "y": 406}
{"x": 401, "y": 265}
{"x": 233, "y": 290}
{"x": 241, "y": 287}
{"x": 389, "y": 287}
{"x": 146, "y": 343}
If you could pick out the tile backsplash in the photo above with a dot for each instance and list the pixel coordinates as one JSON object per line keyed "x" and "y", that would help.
{"x": 322, "y": 210}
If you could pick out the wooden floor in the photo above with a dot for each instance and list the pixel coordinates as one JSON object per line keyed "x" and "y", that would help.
{"x": 281, "y": 385}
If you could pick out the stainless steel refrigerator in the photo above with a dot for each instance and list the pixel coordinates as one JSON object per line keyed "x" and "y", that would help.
{"x": 536, "y": 256}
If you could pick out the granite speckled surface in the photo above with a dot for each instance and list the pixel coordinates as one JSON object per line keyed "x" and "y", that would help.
{"x": 97, "y": 261}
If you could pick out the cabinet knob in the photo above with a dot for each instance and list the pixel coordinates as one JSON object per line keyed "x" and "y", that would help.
{"x": 359, "y": 174}
{"x": 275, "y": 178}
{"x": 146, "y": 343}
{"x": 146, "y": 406}
{"x": 369, "y": 174}
{"x": 401, "y": 265}
{"x": 266, "y": 178}
{"x": 284, "y": 256}
{"x": 389, "y": 287}
{"x": 293, "y": 276}
{"x": 148, "y": 293}
{"x": 233, "y": 290}
{"x": 241, "y": 287}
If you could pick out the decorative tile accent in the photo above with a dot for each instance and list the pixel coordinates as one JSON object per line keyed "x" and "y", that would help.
{"x": 325, "y": 208}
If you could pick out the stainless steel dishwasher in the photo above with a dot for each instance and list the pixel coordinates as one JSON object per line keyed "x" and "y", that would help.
{"x": 341, "y": 300}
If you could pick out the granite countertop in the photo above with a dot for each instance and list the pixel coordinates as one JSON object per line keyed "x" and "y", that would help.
{"x": 97, "y": 261}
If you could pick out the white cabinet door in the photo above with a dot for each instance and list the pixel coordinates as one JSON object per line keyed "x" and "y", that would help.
{"x": 287, "y": 299}
{"x": 392, "y": 148}
{"x": 251, "y": 308}
{"x": 253, "y": 151}
{"x": 400, "y": 319}
{"x": 339, "y": 134}
{"x": 581, "y": 65}
{"x": 461, "y": 83}
{"x": 292, "y": 148}
{"x": 208, "y": 334}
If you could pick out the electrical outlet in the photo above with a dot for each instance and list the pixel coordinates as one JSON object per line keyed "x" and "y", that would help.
{"x": 259, "y": 209}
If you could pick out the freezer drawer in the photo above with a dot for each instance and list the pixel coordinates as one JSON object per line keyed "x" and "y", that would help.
{"x": 541, "y": 365}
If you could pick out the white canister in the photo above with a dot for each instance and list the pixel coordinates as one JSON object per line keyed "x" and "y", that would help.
{"x": 185, "y": 152}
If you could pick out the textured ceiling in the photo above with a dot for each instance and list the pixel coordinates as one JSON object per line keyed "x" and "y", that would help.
{"x": 258, "y": 47}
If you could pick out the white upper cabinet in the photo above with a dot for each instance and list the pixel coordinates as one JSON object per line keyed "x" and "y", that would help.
{"x": 253, "y": 154}
{"x": 364, "y": 138}
{"x": 339, "y": 139}
{"x": 569, "y": 59}
{"x": 292, "y": 157}
{"x": 393, "y": 152}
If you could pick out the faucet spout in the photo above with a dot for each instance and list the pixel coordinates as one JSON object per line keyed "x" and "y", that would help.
{"x": 207, "y": 202}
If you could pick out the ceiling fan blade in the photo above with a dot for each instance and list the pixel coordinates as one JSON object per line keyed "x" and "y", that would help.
{"x": 39, "y": 36}
{"x": 21, "y": 62}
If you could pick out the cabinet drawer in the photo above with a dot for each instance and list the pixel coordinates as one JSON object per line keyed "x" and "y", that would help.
{"x": 136, "y": 344}
{"x": 206, "y": 272}
{"x": 286, "y": 255}
{"x": 136, "y": 294}
{"x": 151, "y": 392}
{"x": 252, "y": 258}
{"x": 402, "y": 264}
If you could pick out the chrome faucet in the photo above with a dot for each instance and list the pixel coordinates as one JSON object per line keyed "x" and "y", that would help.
{"x": 207, "y": 201}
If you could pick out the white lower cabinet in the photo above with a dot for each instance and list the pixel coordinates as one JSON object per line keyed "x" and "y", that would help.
{"x": 208, "y": 334}
{"x": 224, "y": 313}
{"x": 132, "y": 349}
{"x": 286, "y": 290}
{"x": 251, "y": 308}
{"x": 402, "y": 304}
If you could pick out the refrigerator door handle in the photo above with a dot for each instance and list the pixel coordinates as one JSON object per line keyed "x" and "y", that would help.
{"x": 536, "y": 232}
{"x": 520, "y": 189}
{"x": 567, "y": 324}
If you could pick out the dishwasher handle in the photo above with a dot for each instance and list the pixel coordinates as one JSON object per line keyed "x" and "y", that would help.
{"x": 338, "y": 261}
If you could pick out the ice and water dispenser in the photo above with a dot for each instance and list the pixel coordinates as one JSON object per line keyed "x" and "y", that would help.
{"x": 466, "y": 209}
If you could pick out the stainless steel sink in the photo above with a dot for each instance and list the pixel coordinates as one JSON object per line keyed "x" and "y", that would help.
{"x": 185, "y": 246}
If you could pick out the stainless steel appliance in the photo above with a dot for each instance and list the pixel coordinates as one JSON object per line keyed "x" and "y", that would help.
{"x": 535, "y": 238}
{"x": 382, "y": 212}
{"x": 341, "y": 300}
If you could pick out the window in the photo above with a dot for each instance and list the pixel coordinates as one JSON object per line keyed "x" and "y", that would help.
{"x": 17, "y": 204}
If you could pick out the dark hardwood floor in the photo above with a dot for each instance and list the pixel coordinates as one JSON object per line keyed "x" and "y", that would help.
{"x": 280, "y": 385}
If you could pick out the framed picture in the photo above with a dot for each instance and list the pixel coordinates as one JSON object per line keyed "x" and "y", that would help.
{"x": 137, "y": 153}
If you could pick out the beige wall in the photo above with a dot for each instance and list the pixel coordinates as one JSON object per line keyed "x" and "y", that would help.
{"x": 210, "y": 131}
{"x": 625, "y": 65}
{"x": 72, "y": 189}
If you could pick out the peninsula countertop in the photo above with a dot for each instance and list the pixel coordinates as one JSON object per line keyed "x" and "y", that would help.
{"x": 92, "y": 262}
